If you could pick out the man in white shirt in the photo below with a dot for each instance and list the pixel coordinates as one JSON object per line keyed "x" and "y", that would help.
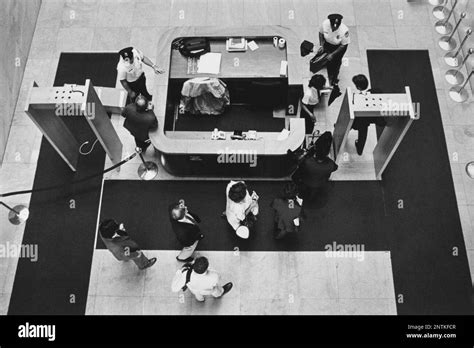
{"x": 334, "y": 37}
{"x": 241, "y": 207}
{"x": 205, "y": 281}
{"x": 131, "y": 74}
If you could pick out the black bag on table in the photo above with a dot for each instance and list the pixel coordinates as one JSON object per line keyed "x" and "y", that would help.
{"x": 319, "y": 61}
{"x": 194, "y": 46}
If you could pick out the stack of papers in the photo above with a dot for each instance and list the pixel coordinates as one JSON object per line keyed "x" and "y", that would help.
{"x": 209, "y": 63}
{"x": 235, "y": 45}
{"x": 252, "y": 45}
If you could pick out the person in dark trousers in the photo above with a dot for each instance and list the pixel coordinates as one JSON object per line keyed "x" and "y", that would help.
{"x": 121, "y": 245}
{"x": 311, "y": 97}
{"x": 140, "y": 121}
{"x": 185, "y": 226}
{"x": 334, "y": 37}
{"x": 315, "y": 169}
{"x": 288, "y": 211}
{"x": 361, "y": 124}
{"x": 130, "y": 72}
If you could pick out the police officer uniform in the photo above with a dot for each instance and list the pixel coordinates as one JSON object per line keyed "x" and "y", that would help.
{"x": 334, "y": 37}
{"x": 131, "y": 74}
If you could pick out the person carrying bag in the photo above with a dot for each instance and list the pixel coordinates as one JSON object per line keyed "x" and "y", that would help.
{"x": 319, "y": 61}
{"x": 182, "y": 278}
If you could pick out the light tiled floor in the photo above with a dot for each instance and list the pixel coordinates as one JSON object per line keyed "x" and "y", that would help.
{"x": 264, "y": 283}
{"x": 104, "y": 25}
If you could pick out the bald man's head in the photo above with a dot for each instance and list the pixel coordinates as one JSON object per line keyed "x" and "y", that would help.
{"x": 177, "y": 213}
{"x": 141, "y": 103}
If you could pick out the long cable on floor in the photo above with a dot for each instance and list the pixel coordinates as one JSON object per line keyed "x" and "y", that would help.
{"x": 92, "y": 147}
{"x": 14, "y": 193}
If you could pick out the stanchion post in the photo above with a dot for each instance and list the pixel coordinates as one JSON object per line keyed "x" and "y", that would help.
{"x": 452, "y": 58}
{"x": 455, "y": 76}
{"x": 459, "y": 93}
{"x": 441, "y": 11}
{"x": 448, "y": 43}
{"x": 148, "y": 170}
{"x": 17, "y": 214}
{"x": 443, "y": 26}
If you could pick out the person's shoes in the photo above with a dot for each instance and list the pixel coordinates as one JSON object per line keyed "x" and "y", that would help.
{"x": 189, "y": 259}
{"x": 359, "y": 150}
{"x": 227, "y": 287}
{"x": 151, "y": 262}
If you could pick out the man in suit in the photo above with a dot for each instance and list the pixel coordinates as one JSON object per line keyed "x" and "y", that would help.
{"x": 313, "y": 173}
{"x": 185, "y": 226}
{"x": 139, "y": 121}
{"x": 361, "y": 124}
{"x": 121, "y": 245}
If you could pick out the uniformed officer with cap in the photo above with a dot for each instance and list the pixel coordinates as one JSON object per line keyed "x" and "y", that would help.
{"x": 334, "y": 37}
{"x": 131, "y": 74}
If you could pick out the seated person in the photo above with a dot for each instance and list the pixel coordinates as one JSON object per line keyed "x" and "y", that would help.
{"x": 313, "y": 174}
{"x": 241, "y": 208}
{"x": 288, "y": 211}
{"x": 311, "y": 97}
{"x": 361, "y": 124}
{"x": 139, "y": 121}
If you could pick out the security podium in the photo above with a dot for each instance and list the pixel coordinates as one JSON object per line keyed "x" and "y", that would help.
{"x": 398, "y": 111}
{"x": 47, "y": 106}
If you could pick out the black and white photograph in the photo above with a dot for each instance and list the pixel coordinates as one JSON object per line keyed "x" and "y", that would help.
{"x": 237, "y": 164}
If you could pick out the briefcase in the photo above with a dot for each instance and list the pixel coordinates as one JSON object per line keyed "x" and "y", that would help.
{"x": 319, "y": 61}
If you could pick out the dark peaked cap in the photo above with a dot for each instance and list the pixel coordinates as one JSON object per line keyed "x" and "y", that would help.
{"x": 126, "y": 52}
{"x": 335, "y": 19}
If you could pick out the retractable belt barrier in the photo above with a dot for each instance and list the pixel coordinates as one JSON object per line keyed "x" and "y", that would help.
{"x": 70, "y": 183}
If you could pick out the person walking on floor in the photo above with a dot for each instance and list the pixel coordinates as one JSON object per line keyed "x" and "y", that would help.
{"x": 313, "y": 173}
{"x": 185, "y": 226}
{"x": 139, "y": 121}
{"x": 288, "y": 211}
{"x": 200, "y": 280}
{"x": 361, "y": 124}
{"x": 311, "y": 97}
{"x": 334, "y": 37}
{"x": 121, "y": 245}
{"x": 241, "y": 208}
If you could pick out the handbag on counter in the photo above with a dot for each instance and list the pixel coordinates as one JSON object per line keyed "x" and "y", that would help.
{"x": 194, "y": 46}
